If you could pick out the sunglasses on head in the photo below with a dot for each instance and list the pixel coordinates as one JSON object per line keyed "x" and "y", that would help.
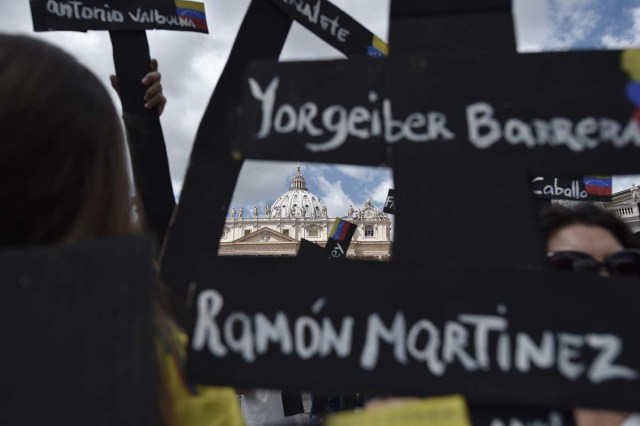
{"x": 624, "y": 262}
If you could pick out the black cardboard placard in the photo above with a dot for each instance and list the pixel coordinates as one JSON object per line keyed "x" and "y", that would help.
{"x": 300, "y": 87}
{"x": 334, "y": 26}
{"x": 437, "y": 7}
{"x": 479, "y": 32}
{"x": 474, "y": 208}
{"x": 261, "y": 36}
{"x": 118, "y": 15}
{"x": 339, "y": 239}
{"x": 147, "y": 148}
{"x": 310, "y": 250}
{"x": 566, "y": 112}
{"x": 451, "y": 26}
{"x": 501, "y": 416}
{"x": 390, "y": 202}
{"x": 78, "y": 325}
{"x": 501, "y": 337}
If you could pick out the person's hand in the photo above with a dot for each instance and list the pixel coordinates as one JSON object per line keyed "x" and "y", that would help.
{"x": 153, "y": 97}
{"x": 587, "y": 417}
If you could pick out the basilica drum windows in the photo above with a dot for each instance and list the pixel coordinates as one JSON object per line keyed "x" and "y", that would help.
{"x": 368, "y": 231}
{"x": 285, "y": 232}
{"x": 247, "y": 232}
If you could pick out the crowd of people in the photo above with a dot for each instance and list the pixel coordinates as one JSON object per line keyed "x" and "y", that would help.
{"x": 64, "y": 180}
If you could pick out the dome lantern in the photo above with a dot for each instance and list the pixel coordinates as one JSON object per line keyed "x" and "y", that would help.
{"x": 298, "y": 181}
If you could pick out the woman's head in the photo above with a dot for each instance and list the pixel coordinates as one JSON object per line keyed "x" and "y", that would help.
{"x": 62, "y": 167}
{"x": 587, "y": 238}
{"x": 583, "y": 226}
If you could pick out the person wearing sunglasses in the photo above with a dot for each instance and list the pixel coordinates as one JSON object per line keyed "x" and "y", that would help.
{"x": 588, "y": 239}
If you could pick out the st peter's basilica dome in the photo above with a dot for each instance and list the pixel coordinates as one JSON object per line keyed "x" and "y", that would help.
{"x": 298, "y": 201}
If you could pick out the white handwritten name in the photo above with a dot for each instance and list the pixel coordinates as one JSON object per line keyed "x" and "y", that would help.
{"x": 312, "y": 13}
{"x": 375, "y": 119}
{"x": 74, "y": 9}
{"x": 574, "y": 192}
{"x": 358, "y": 122}
{"x": 77, "y": 10}
{"x": 463, "y": 342}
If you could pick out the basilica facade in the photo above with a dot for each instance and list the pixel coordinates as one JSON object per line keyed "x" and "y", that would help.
{"x": 624, "y": 204}
{"x": 276, "y": 229}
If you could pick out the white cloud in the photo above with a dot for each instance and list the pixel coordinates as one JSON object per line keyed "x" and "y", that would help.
{"x": 573, "y": 21}
{"x": 628, "y": 38}
{"x": 532, "y": 24}
{"x": 333, "y": 196}
{"x": 623, "y": 182}
{"x": 553, "y": 24}
{"x": 362, "y": 173}
{"x": 262, "y": 182}
{"x": 379, "y": 194}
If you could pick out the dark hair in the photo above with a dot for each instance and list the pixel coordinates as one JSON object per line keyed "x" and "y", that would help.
{"x": 557, "y": 217}
{"x": 63, "y": 173}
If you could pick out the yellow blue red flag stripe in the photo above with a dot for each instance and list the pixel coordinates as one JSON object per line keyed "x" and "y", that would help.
{"x": 193, "y": 11}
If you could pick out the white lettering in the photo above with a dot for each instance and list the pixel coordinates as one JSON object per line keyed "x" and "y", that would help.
{"x": 568, "y": 345}
{"x": 303, "y": 325}
{"x": 480, "y": 115}
{"x": 377, "y": 330}
{"x": 430, "y": 352}
{"x": 603, "y": 368}
{"x": 206, "y": 331}
{"x": 277, "y": 331}
{"x": 267, "y": 99}
{"x": 528, "y": 353}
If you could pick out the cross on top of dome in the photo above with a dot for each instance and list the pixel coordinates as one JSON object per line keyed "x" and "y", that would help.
{"x": 298, "y": 181}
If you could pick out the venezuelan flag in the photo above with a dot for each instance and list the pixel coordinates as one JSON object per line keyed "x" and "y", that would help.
{"x": 193, "y": 11}
{"x": 598, "y": 185}
{"x": 340, "y": 229}
{"x": 378, "y": 48}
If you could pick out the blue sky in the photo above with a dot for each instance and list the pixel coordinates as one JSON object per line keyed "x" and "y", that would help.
{"x": 338, "y": 186}
{"x": 577, "y": 24}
